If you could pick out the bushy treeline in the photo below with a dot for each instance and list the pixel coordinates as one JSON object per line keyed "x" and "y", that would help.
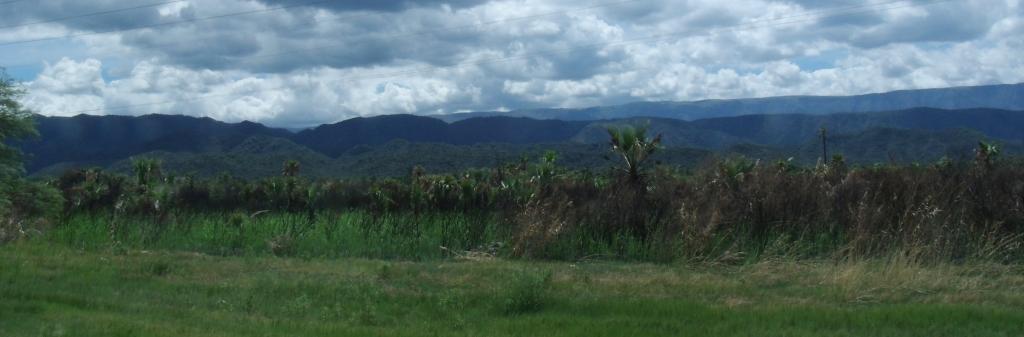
{"x": 731, "y": 209}
{"x": 153, "y": 193}
{"x": 728, "y": 210}
{"x": 21, "y": 200}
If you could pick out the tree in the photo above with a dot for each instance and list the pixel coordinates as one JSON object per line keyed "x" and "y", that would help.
{"x": 18, "y": 196}
{"x": 15, "y": 123}
{"x": 632, "y": 144}
{"x": 291, "y": 168}
{"x": 147, "y": 170}
{"x": 986, "y": 154}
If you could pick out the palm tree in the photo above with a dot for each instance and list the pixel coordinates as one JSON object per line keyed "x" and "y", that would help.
{"x": 632, "y": 144}
{"x": 291, "y": 168}
{"x": 986, "y": 154}
{"x": 146, "y": 170}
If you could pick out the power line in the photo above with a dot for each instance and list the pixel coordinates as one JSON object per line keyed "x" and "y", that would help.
{"x": 171, "y": 23}
{"x": 773, "y": 22}
{"x": 111, "y": 11}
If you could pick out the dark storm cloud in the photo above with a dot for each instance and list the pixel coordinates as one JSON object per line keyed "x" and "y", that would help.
{"x": 895, "y": 23}
{"x": 394, "y": 31}
{"x": 297, "y": 39}
{"x": 28, "y": 12}
{"x": 953, "y": 23}
{"x": 218, "y": 50}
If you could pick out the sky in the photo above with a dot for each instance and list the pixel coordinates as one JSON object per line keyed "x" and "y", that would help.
{"x": 300, "y": 63}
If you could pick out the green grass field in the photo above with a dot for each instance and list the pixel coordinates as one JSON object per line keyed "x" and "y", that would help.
{"x": 52, "y": 290}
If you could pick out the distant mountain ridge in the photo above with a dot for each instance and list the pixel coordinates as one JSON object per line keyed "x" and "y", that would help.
{"x": 105, "y": 139}
{"x": 335, "y": 139}
{"x": 906, "y": 135}
{"x": 1000, "y": 96}
{"x": 922, "y": 132}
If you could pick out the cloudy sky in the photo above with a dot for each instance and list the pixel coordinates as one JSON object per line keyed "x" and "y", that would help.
{"x": 297, "y": 63}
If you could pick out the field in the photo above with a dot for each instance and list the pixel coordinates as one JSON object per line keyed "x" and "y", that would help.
{"x": 736, "y": 247}
{"x": 50, "y": 290}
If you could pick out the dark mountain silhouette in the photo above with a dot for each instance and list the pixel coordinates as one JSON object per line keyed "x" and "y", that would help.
{"x": 516, "y": 130}
{"x": 105, "y": 139}
{"x": 368, "y": 145}
{"x": 793, "y": 129}
{"x": 888, "y": 145}
{"x": 336, "y": 139}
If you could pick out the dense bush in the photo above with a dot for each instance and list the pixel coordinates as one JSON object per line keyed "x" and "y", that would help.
{"x": 729, "y": 210}
{"x": 23, "y": 203}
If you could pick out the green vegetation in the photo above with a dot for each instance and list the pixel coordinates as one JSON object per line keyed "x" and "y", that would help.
{"x": 49, "y": 290}
{"x": 631, "y": 143}
{"x": 328, "y": 235}
{"x": 734, "y": 210}
{"x": 388, "y": 146}
{"x": 20, "y": 199}
{"x": 528, "y": 247}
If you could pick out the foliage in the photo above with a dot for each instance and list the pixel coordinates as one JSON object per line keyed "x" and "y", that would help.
{"x": 291, "y": 168}
{"x": 54, "y": 290}
{"x": 15, "y": 123}
{"x": 526, "y": 292}
{"x": 631, "y": 143}
{"x": 986, "y": 154}
{"x": 734, "y": 209}
{"x": 22, "y": 202}
{"x": 147, "y": 170}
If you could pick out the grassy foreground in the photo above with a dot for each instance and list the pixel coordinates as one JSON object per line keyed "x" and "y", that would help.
{"x": 48, "y": 290}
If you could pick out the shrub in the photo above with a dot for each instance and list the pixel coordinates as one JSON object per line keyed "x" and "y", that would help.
{"x": 526, "y": 292}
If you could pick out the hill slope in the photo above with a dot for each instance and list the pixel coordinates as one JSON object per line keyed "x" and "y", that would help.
{"x": 336, "y": 139}
{"x": 104, "y": 139}
{"x": 389, "y": 145}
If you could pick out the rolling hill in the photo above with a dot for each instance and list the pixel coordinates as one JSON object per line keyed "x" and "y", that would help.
{"x": 101, "y": 140}
{"x": 390, "y": 145}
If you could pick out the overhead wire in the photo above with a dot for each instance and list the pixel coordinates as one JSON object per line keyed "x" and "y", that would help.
{"x": 392, "y": 36}
{"x": 86, "y": 15}
{"x": 169, "y": 23}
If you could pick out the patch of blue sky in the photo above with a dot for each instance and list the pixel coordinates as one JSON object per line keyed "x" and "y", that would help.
{"x": 25, "y": 61}
{"x": 824, "y": 60}
{"x": 22, "y": 73}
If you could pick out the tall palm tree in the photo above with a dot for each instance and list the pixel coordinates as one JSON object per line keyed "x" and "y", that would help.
{"x": 291, "y": 168}
{"x": 986, "y": 154}
{"x": 632, "y": 144}
{"x": 146, "y": 170}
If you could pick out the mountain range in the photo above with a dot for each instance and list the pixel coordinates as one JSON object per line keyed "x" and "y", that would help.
{"x": 390, "y": 145}
{"x": 1000, "y": 96}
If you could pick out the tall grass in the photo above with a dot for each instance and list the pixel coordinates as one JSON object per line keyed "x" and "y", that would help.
{"x": 730, "y": 211}
{"x": 344, "y": 234}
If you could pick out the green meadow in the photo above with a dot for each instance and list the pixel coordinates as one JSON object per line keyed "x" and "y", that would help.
{"x": 53, "y": 290}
